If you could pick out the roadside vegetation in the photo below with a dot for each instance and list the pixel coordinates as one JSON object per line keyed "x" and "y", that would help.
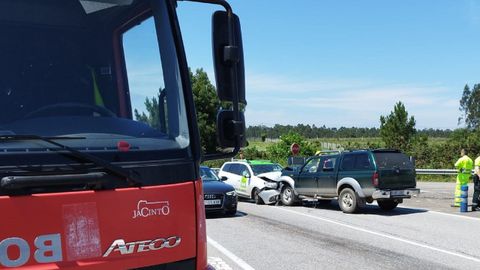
{"x": 431, "y": 148}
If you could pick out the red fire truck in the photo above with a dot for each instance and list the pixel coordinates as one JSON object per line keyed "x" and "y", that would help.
{"x": 84, "y": 183}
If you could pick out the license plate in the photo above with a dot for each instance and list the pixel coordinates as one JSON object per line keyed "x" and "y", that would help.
{"x": 396, "y": 192}
{"x": 212, "y": 202}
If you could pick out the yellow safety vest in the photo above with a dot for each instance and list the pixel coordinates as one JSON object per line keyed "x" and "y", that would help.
{"x": 477, "y": 161}
{"x": 464, "y": 164}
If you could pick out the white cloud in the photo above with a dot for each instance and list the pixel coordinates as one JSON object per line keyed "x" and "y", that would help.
{"x": 333, "y": 102}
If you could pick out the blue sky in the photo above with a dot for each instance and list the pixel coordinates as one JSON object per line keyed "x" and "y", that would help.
{"x": 345, "y": 63}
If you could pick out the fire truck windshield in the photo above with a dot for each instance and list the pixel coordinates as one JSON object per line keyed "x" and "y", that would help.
{"x": 90, "y": 71}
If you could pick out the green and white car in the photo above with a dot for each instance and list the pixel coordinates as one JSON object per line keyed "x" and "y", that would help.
{"x": 254, "y": 179}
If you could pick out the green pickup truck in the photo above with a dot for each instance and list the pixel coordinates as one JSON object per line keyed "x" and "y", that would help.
{"x": 354, "y": 178}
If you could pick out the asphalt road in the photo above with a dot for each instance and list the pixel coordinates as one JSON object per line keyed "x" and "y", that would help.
{"x": 416, "y": 235}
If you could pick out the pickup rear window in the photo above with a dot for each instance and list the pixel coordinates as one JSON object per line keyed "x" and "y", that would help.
{"x": 392, "y": 160}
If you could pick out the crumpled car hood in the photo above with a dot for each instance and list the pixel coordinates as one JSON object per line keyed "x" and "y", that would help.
{"x": 272, "y": 176}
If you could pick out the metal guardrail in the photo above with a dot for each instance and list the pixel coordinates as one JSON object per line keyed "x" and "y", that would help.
{"x": 438, "y": 171}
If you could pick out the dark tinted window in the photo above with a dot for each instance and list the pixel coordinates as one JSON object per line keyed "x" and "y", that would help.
{"x": 356, "y": 162}
{"x": 362, "y": 162}
{"x": 392, "y": 160}
{"x": 227, "y": 168}
{"x": 348, "y": 163}
{"x": 237, "y": 169}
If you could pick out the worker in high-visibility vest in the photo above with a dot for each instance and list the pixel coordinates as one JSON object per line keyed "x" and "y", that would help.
{"x": 464, "y": 165}
{"x": 476, "y": 185}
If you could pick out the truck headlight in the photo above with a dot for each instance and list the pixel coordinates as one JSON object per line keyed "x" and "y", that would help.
{"x": 231, "y": 193}
{"x": 272, "y": 185}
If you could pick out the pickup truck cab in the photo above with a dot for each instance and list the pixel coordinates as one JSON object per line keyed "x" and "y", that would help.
{"x": 354, "y": 178}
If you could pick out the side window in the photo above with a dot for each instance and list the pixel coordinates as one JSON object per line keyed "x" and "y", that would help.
{"x": 348, "y": 162}
{"x": 328, "y": 163}
{"x": 145, "y": 81}
{"x": 227, "y": 168}
{"x": 311, "y": 166}
{"x": 362, "y": 162}
{"x": 243, "y": 170}
{"x": 356, "y": 162}
{"x": 235, "y": 169}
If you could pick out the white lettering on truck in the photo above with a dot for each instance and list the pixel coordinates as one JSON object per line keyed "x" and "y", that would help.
{"x": 147, "y": 209}
{"x": 142, "y": 246}
{"x": 48, "y": 249}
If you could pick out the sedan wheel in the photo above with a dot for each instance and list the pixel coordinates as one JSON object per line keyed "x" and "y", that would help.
{"x": 256, "y": 197}
{"x": 287, "y": 196}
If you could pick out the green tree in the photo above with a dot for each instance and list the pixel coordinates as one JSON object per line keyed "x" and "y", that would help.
{"x": 207, "y": 104}
{"x": 397, "y": 129}
{"x": 470, "y": 107}
{"x": 152, "y": 107}
{"x": 279, "y": 152}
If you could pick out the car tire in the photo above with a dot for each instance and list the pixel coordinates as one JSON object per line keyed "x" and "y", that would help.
{"x": 231, "y": 213}
{"x": 387, "y": 205}
{"x": 287, "y": 196}
{"x": 348, "y": 201}
{"x": 256, "y": 197}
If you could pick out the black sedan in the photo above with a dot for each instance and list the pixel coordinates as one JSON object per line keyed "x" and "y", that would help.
{"x": 219, "y": 197}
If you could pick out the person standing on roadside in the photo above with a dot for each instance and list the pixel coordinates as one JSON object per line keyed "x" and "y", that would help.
{"x": 464, "y": 165}
{"x": 476, "y": 185}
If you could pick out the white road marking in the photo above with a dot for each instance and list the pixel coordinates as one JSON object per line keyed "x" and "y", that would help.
{"x": 440, "y": 192}
{"x": 230, "y": 255}
{"x": 467, "y": 257}
{"x": 218, "y": 263}
{"x": 441, "y": 213}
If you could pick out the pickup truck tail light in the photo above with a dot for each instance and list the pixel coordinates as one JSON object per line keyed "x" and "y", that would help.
{"x": 375, "y": 179}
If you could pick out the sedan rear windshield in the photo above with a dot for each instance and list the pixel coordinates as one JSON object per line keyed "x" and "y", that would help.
{"x": 392, "y": 160}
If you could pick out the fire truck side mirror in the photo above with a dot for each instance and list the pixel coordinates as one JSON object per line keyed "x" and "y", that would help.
{"x": 228, "y": 57}
{"x": 228, "y": 129}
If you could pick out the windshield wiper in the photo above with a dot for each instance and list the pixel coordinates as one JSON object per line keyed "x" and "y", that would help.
{"x": 111, "y": 168}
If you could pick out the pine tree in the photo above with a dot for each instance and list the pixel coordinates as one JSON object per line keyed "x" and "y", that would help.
{"x": 396, "y": 129}
{"x": 470, "y": 107}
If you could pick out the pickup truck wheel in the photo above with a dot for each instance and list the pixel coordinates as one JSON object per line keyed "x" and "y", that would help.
{"x": 287, "y": 196}
{"x": 387, "y": 205}
{"x": 256, "y": 197}
{"x": 348, "y": 200}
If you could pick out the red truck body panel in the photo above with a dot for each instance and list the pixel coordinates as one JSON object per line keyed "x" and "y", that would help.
{"x": 157, "y": 225}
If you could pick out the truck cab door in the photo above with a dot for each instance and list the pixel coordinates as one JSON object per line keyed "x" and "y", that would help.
{"x": 306, "y": 182}
{"x": 327, "y": 176}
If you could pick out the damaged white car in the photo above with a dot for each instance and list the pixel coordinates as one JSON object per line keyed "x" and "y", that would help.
{"x": 254, "y": 179}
